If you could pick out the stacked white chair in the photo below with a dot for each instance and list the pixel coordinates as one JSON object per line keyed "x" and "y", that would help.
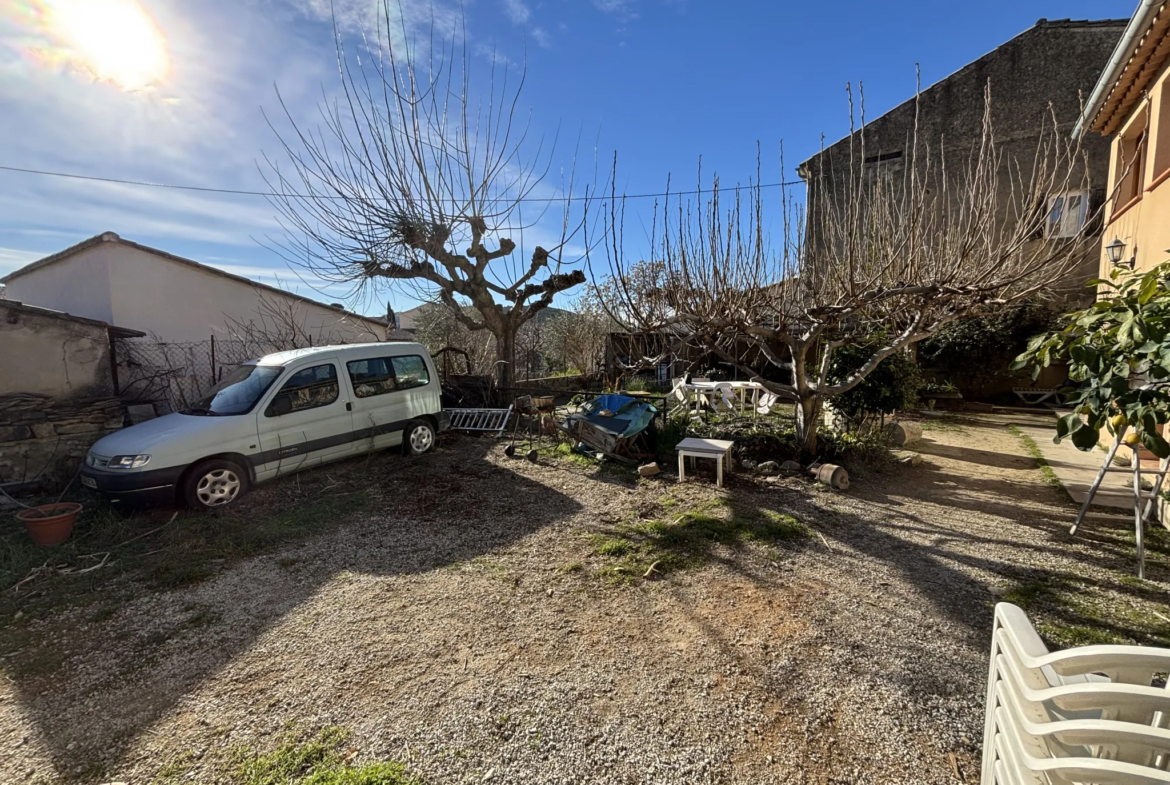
{"x": 1083, "y": 715}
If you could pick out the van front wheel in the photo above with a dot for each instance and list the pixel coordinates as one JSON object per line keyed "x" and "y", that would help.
{"x": 214, "y": 484}
{"x": 419, "y": 437}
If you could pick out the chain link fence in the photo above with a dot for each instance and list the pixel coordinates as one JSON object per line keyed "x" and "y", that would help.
{"x": 177, "y": 373}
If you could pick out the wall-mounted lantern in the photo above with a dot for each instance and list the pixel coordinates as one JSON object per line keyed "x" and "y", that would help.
{"x": 1115, "y": 250}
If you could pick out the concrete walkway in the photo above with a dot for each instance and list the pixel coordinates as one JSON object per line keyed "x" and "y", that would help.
{"x": 1076, "y": 469}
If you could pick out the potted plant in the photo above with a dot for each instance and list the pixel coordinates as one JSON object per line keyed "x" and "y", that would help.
{"x": 50, "y": 524}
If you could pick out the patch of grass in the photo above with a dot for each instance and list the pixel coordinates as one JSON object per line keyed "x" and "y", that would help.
{"x": 1071, "y": 612}
{"x": 566, "y": 451}
{"x": 321, "y": 760}
{"x": 941, "y": 425}
{"x": 1069, "y": 635}
{"x": 654, "y": 547}
{"x": 112, "y": 557}
{"x": 611, "y": 546}
{"x": 171, "y": 574}
{"x": 167, "y": 550}
{"x": 1033, "y": 450}
{"x": 571, "y": 567}
{"x": 175, "y": 769}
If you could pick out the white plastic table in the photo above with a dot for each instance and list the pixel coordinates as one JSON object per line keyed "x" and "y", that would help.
{"x": 749, "y": 392}
{"x": 718, "y": 449}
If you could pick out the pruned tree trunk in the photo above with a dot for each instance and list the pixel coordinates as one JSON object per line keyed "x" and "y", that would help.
{"x": 505, "y": 359}
{"x": 808, "y": 421}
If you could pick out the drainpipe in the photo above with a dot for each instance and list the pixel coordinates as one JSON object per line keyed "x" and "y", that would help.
{"x": 1145, "y": 13}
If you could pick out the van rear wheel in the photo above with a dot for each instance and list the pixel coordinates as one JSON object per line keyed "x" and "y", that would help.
{"x": 419, "y": 437}
{"x": 214, "y": 484}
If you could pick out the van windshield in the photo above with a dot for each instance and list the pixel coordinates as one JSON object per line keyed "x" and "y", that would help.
{"x": 237, "y": 393}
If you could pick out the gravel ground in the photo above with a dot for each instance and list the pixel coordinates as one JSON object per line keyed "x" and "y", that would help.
{"x": 465, "y": 629}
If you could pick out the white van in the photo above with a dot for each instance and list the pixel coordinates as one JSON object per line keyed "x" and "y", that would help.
{"x": 276, "y": 415}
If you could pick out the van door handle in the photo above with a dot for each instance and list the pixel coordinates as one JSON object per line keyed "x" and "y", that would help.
{"x": 348, "y": 406}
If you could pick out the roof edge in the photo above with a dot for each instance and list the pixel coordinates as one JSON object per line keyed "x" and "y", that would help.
{"x": 121, "y": 332}
{"x": 112, "y": 237}
{"x": 1142, "y": 18}
{"x": 1041, "y": 24}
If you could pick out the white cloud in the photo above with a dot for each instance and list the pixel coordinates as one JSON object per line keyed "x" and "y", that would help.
{"x": 402, "y": 21}
{"x": 625, "y": 9}
{"x": 517, "y": 11}
{"x": 14, "y": 258}
{"x": 520, "y": 14}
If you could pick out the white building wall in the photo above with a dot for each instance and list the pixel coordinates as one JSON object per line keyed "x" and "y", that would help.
{"x": 79, "y": 286}
{"x": 176, "y": 302}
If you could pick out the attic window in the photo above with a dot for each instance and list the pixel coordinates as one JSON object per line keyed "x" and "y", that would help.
{"x": 882, "y": 158}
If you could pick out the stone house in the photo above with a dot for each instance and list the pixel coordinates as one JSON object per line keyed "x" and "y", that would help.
{"x": 1052, "y": 64}
{"x": 58, "y": 391}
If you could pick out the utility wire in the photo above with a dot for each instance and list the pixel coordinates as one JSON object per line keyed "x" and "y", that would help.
{"x": 74, "y": 176}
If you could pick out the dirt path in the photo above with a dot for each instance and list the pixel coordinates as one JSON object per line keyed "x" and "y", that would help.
{"x": 472, "y": 629}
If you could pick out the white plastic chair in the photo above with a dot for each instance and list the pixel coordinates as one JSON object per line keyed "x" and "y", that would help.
{"x": 1020, "y": 759}
{"x": 1095, "y": 737}
{"x": 724, "y": 399}
{"x": 766, "y": 402}
{"x": 1086, "y": 714}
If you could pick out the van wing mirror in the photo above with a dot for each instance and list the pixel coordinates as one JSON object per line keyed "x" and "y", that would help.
{"x": 281, "y": 405}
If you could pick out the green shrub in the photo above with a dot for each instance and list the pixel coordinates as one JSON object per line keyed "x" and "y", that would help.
{"x": 890, "y": 387}
{"x": 974, "y": 353}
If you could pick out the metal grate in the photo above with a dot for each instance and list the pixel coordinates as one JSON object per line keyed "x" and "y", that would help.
{"x": 480, "y": 419}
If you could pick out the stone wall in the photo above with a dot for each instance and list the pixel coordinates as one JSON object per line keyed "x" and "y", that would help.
{"x": 57, "y": 394}
{"x": 42, "y": 442}
{"x": 1047, "y": 69}
{"x": 52, "y": 353}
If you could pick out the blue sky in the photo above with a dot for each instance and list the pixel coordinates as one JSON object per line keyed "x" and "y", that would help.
{"x": 172, "y": 91}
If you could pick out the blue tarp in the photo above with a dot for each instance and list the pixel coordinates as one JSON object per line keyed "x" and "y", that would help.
{"x": 630, "y": 415}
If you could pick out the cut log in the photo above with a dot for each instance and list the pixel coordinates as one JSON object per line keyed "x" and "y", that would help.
{"x": 832, "y": 475}
{"x": 900, "y": 433}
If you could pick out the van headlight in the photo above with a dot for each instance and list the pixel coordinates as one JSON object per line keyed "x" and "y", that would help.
{"x": 128, "y": 461}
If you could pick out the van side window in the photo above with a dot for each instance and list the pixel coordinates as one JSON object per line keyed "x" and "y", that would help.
{"x": 411, "y": 371}
{"x": 371, "y": 377}
{"x": 309, "y": 388}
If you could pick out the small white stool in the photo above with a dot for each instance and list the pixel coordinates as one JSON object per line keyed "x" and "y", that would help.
{"x": 718, "y": 449}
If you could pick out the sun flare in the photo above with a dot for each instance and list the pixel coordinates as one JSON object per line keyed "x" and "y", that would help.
{"x": 115, "y": 41}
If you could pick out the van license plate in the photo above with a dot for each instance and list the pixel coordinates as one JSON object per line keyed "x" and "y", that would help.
{"x": 89, "y": 482}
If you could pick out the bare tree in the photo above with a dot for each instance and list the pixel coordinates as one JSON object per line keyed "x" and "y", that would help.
{"x": 281, "y": 323}
{"x": 438, "y": 327}
{"x": 574, "y": 340}
{"x": 899, "y": 254}
{"x": 412, "y": 178}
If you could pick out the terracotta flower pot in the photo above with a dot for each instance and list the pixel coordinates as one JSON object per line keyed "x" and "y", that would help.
{"x": 50, "y": 524}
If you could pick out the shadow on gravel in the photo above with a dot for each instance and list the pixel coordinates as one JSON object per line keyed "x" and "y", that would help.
{"x": 93, "y": 677}
{"x": 940, "y": 558}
